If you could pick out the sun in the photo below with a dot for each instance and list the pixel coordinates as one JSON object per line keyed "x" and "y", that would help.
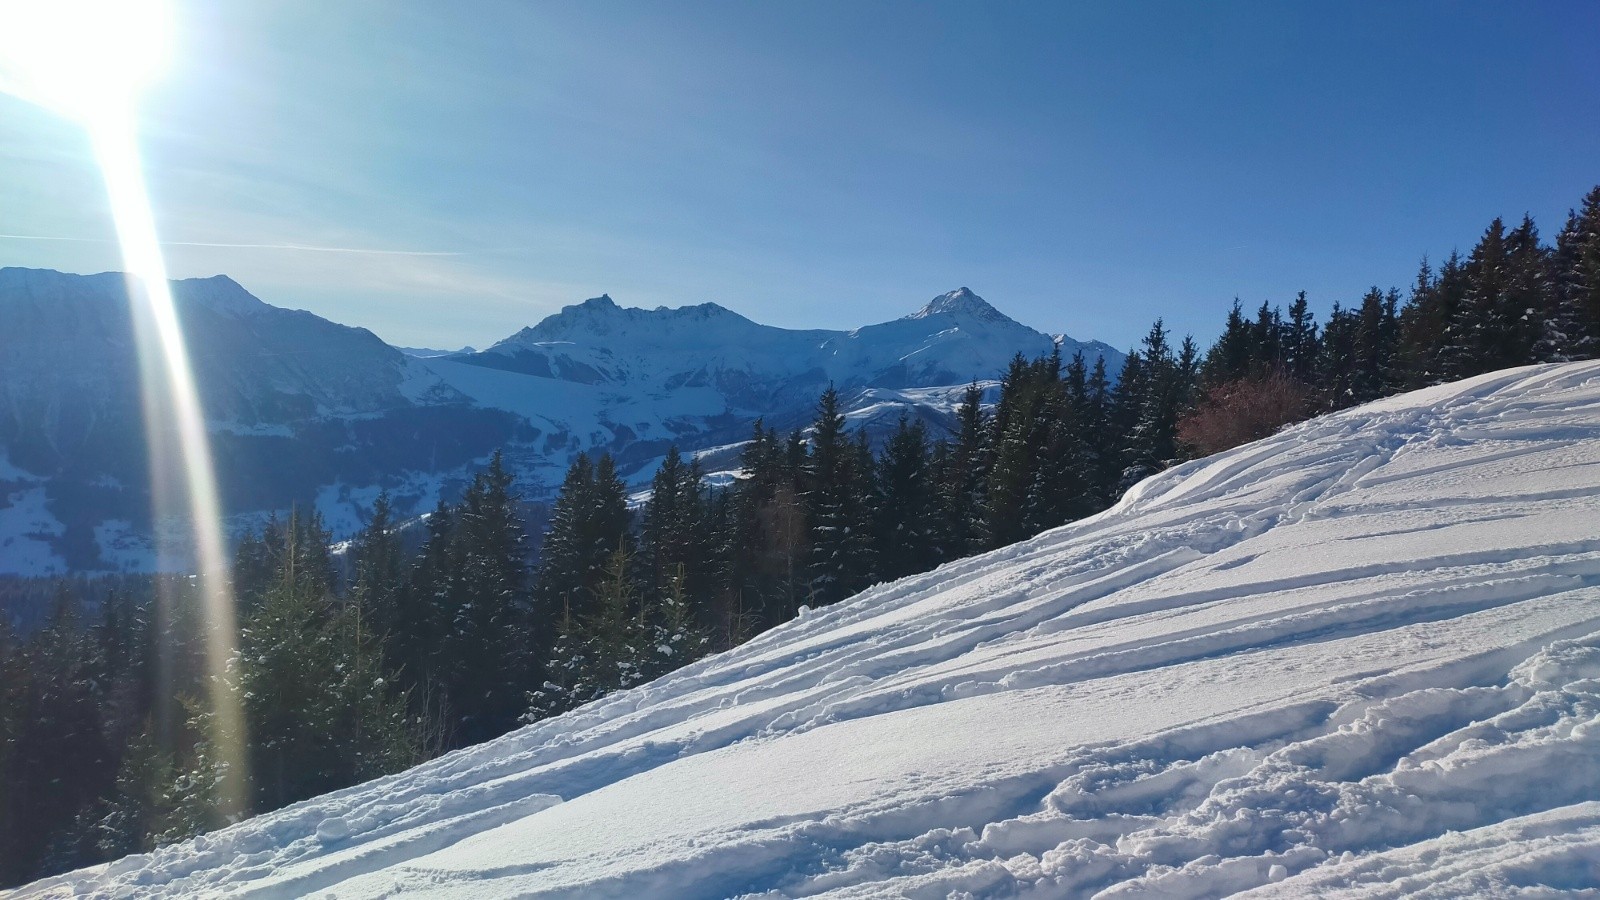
{"x": 88, "y": 60}
{"x": 85, "y": 59}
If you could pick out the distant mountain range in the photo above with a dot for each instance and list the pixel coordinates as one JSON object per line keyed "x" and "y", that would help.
{"x": 429, "y": 353}
{"x": 303, "y": 410}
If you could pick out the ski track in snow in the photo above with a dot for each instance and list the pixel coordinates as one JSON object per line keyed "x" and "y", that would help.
{"x": 1358, "y": 658}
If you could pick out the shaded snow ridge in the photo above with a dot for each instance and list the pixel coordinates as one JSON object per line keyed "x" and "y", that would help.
{"x": 1361, "y": 657}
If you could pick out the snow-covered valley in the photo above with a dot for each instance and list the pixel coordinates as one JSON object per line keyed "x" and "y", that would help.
{"x": 1359, "y": 657}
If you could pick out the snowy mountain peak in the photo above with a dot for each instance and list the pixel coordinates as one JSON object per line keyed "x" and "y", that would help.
{"x": 722, "y": 369}
{"x": 221, "y": 294}
{"x": 48, "y": 289}
{"x": 601, "y": 317}
{"x": 959, "y": 302}
{"x": 700, "y": 311}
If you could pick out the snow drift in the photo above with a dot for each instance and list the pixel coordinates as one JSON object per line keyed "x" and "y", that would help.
{"x": 1361, "y": 656}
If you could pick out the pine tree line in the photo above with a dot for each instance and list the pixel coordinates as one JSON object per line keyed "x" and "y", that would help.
{"x": 80, "y": 714}
{"x": 819, "y": 514}
{"x": 1512, "y": 301}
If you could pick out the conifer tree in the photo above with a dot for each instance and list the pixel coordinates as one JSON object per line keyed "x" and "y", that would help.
{"x": 839, "y": 523}
{"x": 1529, "y": 295}
{"x": 1477, "y": 329}
{"x": 1576, "y": 277}
{"x": 195, "y": 796}
{"x": 1452, "y": 351}
{"x": 963, "y": 480}
{"x": 318, "y": 712}
{"x": 14, "y": 676}
{"x": 1085, "y": 417}
{"x": 256, "y": 562}
{"x": 763, "y": 545}
{"x": 1267, "y": 339}
{"x": 1586, "y": 278}
{"x": 1336, "y": 363}
{"x": 1429, "y": 334}
{"x": 729, "y": 615}
{"x": 1103, "y": 440}
{"x": 1125, "y": 409}
{"x": 604, "y": 648}
{"x": 1564, "y": 335}
{"x": 906, "y": 506}
{"x": 1156, "y": 399}
{"x": 486, "y": 639}
{"x": 124, "y": 658}
{"x": 298, "y": 545}
{"x": 677, "y": 546}
{"x": 1009, "y": 483}
{"x": 379, "y": 563}
{"x": 566, "y": 564}
{"x": 1019, "y": 429}
{"x": 1300, "y": 341}
{"x": 677, "y": 635}
{"x": 1187, "y": 374}
{"x": 589, "y": 522}
{"x": 1235, "y": 354}
{"x": 143, "y": 807}
{"x": 426, "y": 605}
{"x": 613, "y": 521}
{"x": 1053, "y": 482}
{"x": 676, "y": 536}
{"x": 1422, "y": 328}
{"x": 56, "y": 763}
{"x": 1370, "y": 365}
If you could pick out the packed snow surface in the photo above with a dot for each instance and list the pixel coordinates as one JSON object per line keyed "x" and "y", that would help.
{"x": 1361, "y": 657}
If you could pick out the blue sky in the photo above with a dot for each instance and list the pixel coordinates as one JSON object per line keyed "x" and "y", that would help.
{"x": 1085, "y": 166}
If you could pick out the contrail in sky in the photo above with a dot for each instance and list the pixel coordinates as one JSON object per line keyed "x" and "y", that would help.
{"x": 300, "y": 247}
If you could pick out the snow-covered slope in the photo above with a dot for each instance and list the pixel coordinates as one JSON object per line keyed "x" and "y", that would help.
{"x": 1360, "y": 657}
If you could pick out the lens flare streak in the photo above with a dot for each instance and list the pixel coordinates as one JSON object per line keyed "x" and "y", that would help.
{"x": 172, "y": 409}
{"x": 88, "y": 60}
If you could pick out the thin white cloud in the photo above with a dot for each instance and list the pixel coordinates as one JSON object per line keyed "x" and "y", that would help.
{"x": 294, "y": 247}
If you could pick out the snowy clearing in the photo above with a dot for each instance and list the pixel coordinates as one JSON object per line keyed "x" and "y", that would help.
{"x": 1361, "y": 657}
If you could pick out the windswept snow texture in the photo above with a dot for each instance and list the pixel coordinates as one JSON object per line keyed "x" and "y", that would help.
{"x": 1361, "y": 658}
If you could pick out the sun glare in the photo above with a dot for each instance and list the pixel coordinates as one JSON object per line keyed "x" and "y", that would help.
{"x": 88, "y": 60}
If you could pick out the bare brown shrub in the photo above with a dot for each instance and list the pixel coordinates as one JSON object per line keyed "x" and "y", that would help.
{"x": 1238, "y": 412}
